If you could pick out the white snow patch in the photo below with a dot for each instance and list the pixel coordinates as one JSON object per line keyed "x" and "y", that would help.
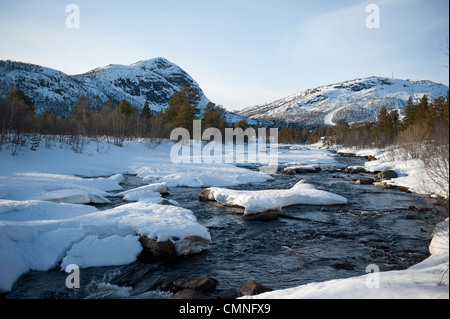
{"x": 149, "y": 193}
{"x": 93, "y": 251}
{"x": 264, "y": 200}
{"x": 439, "y": 243}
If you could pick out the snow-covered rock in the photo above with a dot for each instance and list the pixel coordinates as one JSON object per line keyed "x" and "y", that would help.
{"x": 440, "y": 241}
{"x": 303, "y": 168}
{"x": 36, "y": 235}
{"x": 266, "y": 200}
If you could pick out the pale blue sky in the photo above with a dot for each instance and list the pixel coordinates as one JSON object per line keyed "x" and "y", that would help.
{"x": 241, "y": 52}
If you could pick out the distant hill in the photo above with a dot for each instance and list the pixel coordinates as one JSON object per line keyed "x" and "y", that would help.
{"x": 355, "y": 100}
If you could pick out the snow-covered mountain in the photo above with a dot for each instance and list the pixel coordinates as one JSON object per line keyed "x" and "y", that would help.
{"x": 356, "y": 101}
{"x": 154, "y": 80}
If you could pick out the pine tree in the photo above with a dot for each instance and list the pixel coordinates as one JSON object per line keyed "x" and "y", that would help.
{"x": 81, "y": 108}
{"x": 146, "y": 113}
{"x": 184, "y": 117}
{"x": 19, "y": 96}
{"x": 214, "y": 116}
{"x": 242, "y": 124}
{"x": 183, "y": 107}
{"x": 423, "y": 112}
{"x": 125, "y": 108}
{"x": 410, "y": 110}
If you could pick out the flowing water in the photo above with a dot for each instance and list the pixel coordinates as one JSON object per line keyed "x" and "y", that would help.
{"x": 299, "y": 247}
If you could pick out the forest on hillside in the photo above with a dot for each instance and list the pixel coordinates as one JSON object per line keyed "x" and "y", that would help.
{"x": 422, "y": 123}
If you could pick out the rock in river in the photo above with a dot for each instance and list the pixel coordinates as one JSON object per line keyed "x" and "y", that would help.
{"x": 251, "y": 288}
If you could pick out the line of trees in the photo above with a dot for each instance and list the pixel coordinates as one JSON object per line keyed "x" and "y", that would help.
{"x": 19, "y": 122}
{"x": 422, "y": 121}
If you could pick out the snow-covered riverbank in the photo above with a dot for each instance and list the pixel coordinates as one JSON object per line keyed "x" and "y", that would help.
{"x": 428, "y": 279}
{"x": 44, "y": 222}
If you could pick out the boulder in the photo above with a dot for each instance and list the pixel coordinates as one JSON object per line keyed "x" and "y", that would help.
{"x": 390, "y": 186}
{"x": 411, "y": 217}
{"x": 154, "y": 251}
{"x": 166, "y": 202}
{"x": 346, "y": 266}
{"x": 289, "y": 171}
{"x": 365, "y": 181}
{"x": 228, "y": 294}
{"x": 251, "y": 288}
{"x": 292, "y": 170}
{"x": 385, "y": 175}
{"x": 204, "y": 195}
{"x": 190, "y": 294}
{"x": 346, "y": 154}
{"x": 203, "y": 284}
{"x": 384, "y": 185}
{"x": 190, "y": 245}
{"x": 263, "y": 216}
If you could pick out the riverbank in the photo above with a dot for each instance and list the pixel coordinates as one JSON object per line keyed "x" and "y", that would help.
{"x": 427, "y": 280}
{"x": 68, "y": 181}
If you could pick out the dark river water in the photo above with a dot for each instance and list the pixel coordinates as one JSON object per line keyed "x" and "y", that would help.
{"x": 299, "y": 247}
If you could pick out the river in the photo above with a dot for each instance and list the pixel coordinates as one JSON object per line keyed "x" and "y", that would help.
{"x": 299, "y": 247}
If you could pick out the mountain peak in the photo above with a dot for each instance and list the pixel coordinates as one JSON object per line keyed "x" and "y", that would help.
{"x": 154, "y": 80}
{"x": 356, "y": 100}
{"x": 163, "y": 62}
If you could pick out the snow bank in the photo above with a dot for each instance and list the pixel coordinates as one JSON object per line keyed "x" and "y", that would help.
{"x": 439, "y": 243}
{"x": 200, "y": 175}
{"x": 411, "y": 172}
{"x": 57, "y": 187}
{"x": 103, "y": 159}
{"x": 149, "y": 193}
{"x": 40, "y": 225}
{"x": 264, "y": 200}
{"x": 93, "y": 251}
{"x": 301, "y": 155}
{"x": 406, "y": 284}
{"x": 37, "y": 235}
{"x": 158, "y": 222}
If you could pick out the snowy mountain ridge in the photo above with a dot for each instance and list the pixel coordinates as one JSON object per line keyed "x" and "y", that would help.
{"x": 154, "y": 80}
{"x": 355, "y": 100}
